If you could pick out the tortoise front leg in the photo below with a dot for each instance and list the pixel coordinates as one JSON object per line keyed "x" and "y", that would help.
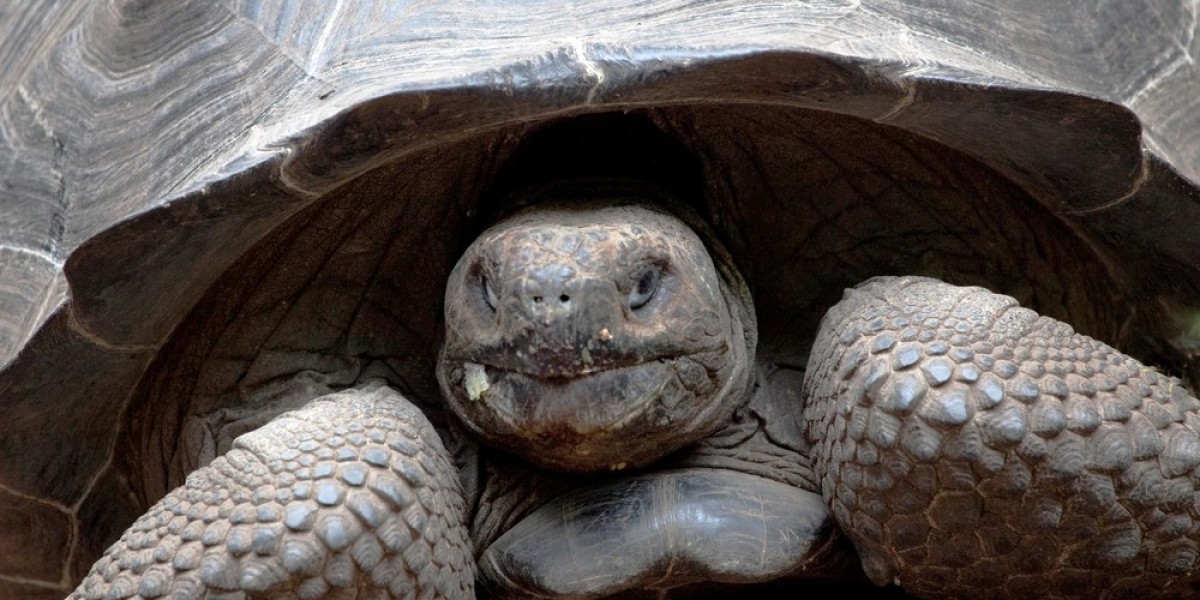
{"x": 969, "y": 447}
{"x": 352, "y": 494}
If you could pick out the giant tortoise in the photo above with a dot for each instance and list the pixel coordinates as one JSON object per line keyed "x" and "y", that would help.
{"x": 737, "y": 304}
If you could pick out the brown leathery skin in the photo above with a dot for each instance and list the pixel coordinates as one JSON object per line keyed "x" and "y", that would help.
{"x": 350, "y": 496}
{"x": 970, "y": 448}
{"x": 590, "y": 336}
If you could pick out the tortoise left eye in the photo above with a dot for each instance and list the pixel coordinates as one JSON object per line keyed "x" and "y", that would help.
{"x": 489, "y": 295}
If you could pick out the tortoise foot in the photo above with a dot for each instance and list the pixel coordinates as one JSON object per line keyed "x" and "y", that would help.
{"x": 659, "y": 530}
{"x": 968, "y": 446}
{"x": 351, "y": 496}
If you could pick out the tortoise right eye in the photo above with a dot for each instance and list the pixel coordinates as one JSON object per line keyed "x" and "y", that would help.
{"x": 643, "y": 290}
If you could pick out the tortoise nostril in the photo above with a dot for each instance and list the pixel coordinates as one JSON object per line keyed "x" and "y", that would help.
{"x": 564, "y": 298}
{"x": 537, "y": 299}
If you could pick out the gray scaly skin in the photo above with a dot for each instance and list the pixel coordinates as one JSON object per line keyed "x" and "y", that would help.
{"x": 970, "y": 447}
{"x": 352, "y": 494}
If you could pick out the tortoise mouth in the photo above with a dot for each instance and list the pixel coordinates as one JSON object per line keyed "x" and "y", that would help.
{"x": 592, "y": 401}
{"x": 599, "y": 419}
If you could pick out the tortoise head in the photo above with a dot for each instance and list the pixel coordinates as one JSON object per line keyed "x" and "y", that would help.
{"x": 596, "y": 334}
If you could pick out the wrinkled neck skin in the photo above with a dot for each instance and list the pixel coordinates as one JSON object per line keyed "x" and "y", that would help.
{"x": 595, "y": 335}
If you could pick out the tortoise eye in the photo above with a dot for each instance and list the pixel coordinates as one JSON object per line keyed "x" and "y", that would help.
{"x": 644, "y": 289}
{"x": 489, "y": 295}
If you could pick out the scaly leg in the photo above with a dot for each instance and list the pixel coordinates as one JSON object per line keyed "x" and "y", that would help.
{"x": 971, "y": 448}
{"x": 351, "y": 496}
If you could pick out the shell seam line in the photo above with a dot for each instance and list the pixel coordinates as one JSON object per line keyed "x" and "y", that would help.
{"x": 33, "y": 582}
{"x": 910, "y": 96}
{"x": 317, "y": 54}
{"x": 1185, "y": 58}
{"x": 35, "y": 107}
{"x": 73, "y": 547}
{"x": 1139, "y": 182}
{"x": 34, "y": 253}
{"x": 101, "y": 342}
{"x": 55, "y": 505}
{"x": 235, "y": 15}
{"x": 591, "y": 67}
{"x": 1176, "y": 64}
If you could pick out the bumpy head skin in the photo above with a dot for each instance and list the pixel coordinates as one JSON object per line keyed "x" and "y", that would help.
{"x": 594, "y": 335}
